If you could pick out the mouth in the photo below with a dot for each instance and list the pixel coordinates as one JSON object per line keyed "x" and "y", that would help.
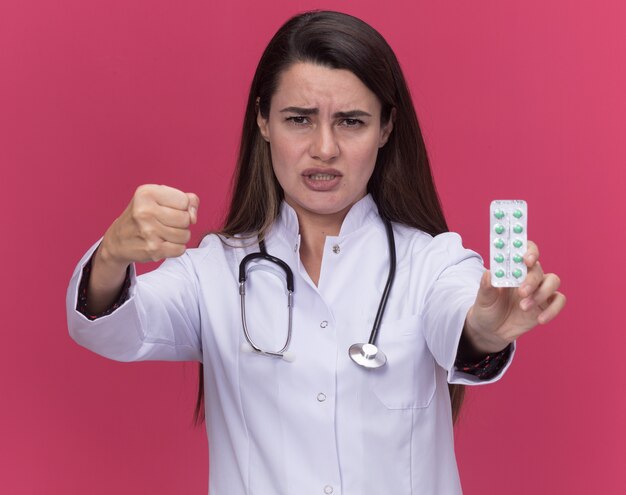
{"x": 321, "y": 173}
{"x": 323, "y": 177}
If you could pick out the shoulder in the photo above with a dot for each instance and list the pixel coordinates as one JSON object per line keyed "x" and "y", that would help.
{"x": 215, "y": 246}
{"x": 440, "y": 251}
{"x": 420, "y": 240}
{"x": 211, "y": 246}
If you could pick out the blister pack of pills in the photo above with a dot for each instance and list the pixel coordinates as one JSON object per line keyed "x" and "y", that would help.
{"x": 508, "y": 225}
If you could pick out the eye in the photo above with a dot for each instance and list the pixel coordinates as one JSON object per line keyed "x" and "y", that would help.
{"x": 299, "y": 120}
{"x": 352, "y": 122}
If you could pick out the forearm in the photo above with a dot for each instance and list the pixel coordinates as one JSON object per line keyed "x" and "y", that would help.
{"x": 475, "y": 345}
{"x": 473, "y": 359}
{"x": 105, "y": 281}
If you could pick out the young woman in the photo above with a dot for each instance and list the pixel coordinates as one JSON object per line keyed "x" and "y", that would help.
{"x": 333, "y": 188}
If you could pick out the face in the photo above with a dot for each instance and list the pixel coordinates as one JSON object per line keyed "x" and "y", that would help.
{"x": 324, "y": 132}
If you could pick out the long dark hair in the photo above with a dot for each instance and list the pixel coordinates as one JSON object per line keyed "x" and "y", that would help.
{"x": 401, "y": 184}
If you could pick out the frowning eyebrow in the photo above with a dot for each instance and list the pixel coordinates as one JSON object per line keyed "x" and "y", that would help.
{"x": 314, "y": 111}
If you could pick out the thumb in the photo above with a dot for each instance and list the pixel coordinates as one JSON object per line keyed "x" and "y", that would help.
{"x": 194, "y": 203}
{"x": 487, "y": 293}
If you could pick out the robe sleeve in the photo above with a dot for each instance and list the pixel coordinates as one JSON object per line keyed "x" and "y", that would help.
{"x": 156, "y": 317}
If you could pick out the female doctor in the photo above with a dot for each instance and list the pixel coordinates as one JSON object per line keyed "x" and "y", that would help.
{"x": 333, "y": 187}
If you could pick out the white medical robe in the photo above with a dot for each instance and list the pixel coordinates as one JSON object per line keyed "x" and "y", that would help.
{"x": 320, "y": 424}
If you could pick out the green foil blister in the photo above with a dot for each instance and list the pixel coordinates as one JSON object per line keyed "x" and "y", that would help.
{"x": 508, "y": 229}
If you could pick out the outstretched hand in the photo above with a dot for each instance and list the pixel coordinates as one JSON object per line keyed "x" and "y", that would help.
{"x": 500, "y": 315}
{"x": 155, "y": 225}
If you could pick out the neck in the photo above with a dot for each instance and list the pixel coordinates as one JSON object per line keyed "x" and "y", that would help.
{"x": 313, "y": 232}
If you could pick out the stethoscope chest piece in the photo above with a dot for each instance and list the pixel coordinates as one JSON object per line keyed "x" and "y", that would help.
{"x": 367, "y": 355}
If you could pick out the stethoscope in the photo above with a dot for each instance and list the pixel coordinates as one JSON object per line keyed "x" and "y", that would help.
{"x": 367, "y": 354}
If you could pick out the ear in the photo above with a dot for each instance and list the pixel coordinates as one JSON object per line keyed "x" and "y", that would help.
{"x": 385, "y": 131}
{"x": 262, "y": 123}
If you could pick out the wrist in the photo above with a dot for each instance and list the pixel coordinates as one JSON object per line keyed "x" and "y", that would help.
{"x": 107, "y": 278}
{"x": 478, "y": 341}
{"x": 107, "y": 257}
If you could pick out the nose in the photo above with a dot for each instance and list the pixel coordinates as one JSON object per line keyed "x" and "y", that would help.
{"x": 324, "y": 145}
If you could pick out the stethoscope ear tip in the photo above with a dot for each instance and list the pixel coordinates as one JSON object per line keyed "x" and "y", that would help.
{"x": 285, "y": 356}
{"x": 245, "y": 347}
{"x": 290, "y": 357}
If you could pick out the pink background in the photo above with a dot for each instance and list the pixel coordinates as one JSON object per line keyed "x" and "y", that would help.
{"x": 516, "y": 100}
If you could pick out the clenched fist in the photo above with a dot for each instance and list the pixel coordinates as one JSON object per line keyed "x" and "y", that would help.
{"x": 155, "y": 225}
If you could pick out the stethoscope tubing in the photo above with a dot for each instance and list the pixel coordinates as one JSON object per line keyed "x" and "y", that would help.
{"x": 366, "y": 355}
{"x": 390, "y": 278}
{"x": 263, "y": 254}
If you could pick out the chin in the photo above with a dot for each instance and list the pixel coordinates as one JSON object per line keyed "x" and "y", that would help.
{"x": 325, "y": 206}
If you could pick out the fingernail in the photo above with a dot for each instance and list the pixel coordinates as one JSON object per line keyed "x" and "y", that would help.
{"x": 194, "y": 214}
{"x": 531, "y": 258}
